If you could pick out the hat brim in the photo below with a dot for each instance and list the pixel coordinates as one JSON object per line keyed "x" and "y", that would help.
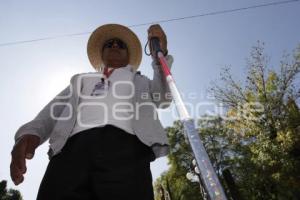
{"x": 109, "y": 31}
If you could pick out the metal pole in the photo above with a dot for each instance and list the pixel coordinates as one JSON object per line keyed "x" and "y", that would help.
{"x": 210, "y": 179}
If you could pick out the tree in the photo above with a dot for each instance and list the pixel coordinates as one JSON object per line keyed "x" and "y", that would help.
{"x": 265, "y": 115}
{"x": 255, "y": 148}
{"x": 223, "y": 148}
{"x": 10, "y": 194}
{"x": 217, "y": 141}
{"x": 174, "y": 181}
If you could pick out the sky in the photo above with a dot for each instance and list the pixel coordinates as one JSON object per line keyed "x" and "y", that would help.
{"x": 33, "y": 73}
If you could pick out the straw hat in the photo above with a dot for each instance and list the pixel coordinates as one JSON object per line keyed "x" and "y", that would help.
{"x": 109, "y": 31}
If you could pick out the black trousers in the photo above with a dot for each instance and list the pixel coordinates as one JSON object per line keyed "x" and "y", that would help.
{"x": 100, "y": 164}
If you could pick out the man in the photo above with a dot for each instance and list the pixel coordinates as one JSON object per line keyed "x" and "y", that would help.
{"x": 103, "y": 127}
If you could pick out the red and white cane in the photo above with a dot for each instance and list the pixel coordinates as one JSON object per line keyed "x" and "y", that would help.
{"x": 208, "y": 176}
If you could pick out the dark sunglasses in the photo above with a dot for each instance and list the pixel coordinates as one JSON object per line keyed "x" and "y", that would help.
{"x": 111, "y": 42}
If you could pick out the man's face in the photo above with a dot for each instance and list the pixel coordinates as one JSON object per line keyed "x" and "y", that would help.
{"x": 115, "y": 53}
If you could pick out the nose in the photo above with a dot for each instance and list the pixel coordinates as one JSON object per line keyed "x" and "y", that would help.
{"x": 115, "y": 45}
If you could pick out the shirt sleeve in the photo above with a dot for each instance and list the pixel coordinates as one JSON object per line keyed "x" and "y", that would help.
{"x": 44, "y": 122}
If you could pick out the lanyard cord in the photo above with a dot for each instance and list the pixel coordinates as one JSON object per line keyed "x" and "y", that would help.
{"x": 145, "y": 49}
{"x": 150, "y": 54}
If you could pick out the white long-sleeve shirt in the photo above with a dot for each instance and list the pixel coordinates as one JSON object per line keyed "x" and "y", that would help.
{"x": 108, "y": 102}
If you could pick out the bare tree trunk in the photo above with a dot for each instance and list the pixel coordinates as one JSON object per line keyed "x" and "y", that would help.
{"x": 234, "y": 192}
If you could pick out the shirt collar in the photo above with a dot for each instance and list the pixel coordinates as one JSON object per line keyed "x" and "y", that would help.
{"x": 128, "y": 67}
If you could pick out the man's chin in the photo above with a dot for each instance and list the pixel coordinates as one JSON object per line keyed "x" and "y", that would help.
{"x": 116, "y": 65}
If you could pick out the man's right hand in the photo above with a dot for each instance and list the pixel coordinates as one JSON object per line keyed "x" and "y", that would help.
{"x": 24, "y": 149}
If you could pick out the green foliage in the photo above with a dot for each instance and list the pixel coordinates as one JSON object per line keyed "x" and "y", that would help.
{"x": 269, "y": 166}
{"x": 259, "y": 142}
{"x": 10, "y": 194}
{"x": 174, "y": 181}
